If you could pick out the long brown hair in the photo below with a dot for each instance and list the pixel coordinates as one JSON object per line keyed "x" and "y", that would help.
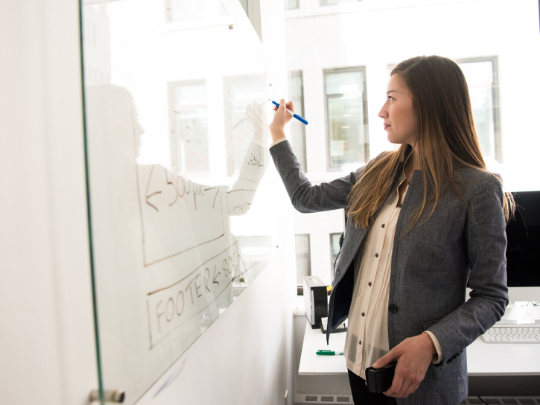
{"x": 446, "y": 139}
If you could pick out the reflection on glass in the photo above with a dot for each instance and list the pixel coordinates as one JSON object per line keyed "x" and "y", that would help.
{"x": 332, "y": 2}
{"x": 334, "y": 250}
{"x": 291, "y": 4}
{"x": 171, "y": 232}
{"x": 298, "y": 130}
{"x": 147, "y": 219}
{"x": 189, "y": 10}
{"x": 239, "y": 91}
{"x": 96, "y": 35}
{"x": 303, "y": 258}
{"x": 347, "y": 121}
{"x": 189, "y": 126}
{"x": 185, "y": 10}
{"x": 252, "y": 251}
{"x": 483, "y": 91}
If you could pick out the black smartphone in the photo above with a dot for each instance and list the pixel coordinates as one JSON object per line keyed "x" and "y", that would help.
{"x": 380, "y": 379}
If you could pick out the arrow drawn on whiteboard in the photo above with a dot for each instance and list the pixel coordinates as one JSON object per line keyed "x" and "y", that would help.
{"x": 216, "y": 276}
{"x": 153, "y": 194}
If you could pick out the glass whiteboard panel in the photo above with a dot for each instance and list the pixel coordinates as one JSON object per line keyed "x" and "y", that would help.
{"x": 182, "y": 213}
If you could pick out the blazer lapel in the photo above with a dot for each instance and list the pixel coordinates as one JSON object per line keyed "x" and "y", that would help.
{"x": 355, "y": 236}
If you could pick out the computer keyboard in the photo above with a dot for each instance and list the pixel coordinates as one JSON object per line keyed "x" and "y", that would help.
{"x": 512, "y": 334}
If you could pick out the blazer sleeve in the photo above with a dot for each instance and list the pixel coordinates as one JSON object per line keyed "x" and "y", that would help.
{"x": 485, "y": 236}
{"x": 305, "y": 197}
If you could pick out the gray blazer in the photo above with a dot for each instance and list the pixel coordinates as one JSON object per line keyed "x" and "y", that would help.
{"x": 462, "y": 244}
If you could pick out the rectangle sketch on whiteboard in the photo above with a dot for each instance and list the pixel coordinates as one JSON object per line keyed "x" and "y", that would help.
{"x": 200, "y": 290}
{"x": 167, "y": 199}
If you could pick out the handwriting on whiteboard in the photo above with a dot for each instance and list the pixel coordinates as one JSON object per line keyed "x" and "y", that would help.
{"x": 172, "y": 307}
{"x": 176, "y": 214}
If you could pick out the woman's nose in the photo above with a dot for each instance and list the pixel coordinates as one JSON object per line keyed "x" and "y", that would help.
{"x": 383, "y": 113}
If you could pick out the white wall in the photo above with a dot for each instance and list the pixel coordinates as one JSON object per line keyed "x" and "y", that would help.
{"x": 46, "y": 334}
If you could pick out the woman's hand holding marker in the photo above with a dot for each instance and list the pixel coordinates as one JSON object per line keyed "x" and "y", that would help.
{"x": 281, "y": 118}
{"x": 292, "y": 113}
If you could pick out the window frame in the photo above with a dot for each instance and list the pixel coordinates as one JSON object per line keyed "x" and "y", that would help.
{"x": 301, "y": 112}
{"x": 332, "y": 258}
{"x": 329, "y": 166}
{"x": 494, "y": 59}
{"x": 292, "y": 8}
{"x": 300, "y": 286}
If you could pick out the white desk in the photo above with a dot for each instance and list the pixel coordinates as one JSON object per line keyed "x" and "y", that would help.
{"x": 502, "y": 359}
{"x": 482, "y": 359}
{"x": 311, "y": 363}
{"x": 490, "y": 366}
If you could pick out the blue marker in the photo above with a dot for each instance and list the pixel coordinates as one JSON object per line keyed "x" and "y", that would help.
{"x": 290, "y": 112}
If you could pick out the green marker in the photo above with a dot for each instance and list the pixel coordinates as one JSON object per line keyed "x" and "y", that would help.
{"x": 328, "y": 353}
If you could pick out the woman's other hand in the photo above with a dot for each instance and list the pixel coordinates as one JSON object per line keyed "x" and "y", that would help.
{"x": 281, "y": 118}
{"x": 413, "y": 357}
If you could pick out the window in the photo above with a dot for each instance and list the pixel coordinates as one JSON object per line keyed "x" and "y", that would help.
{"x": 189, "y": 126}
{"x": 346, "y": 116}
{"x": 292, "y": 4}
{"x": 334, "y": 251}
{"x": 481, "y": 75}
{"x": 298, "y": 130}
{"x": 334, "y": 2}
{"x": 303, "y": 258}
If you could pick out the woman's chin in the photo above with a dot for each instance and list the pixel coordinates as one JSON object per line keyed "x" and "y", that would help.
{"x": 393, "y": 140}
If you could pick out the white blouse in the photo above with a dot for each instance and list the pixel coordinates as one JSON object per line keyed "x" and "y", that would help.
{"x": 367, "y": 332}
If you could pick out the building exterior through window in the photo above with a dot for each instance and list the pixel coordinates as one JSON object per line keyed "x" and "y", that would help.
{"x": 481, "y": 75}
{"x": 303, "y": 258}
{"x": 334, "y": 251}
{"x": 345, "y": 51}
{"x": 298, "y": 129}
{"x": 346, "y": 116}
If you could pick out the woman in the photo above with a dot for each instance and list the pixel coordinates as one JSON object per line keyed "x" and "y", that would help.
{"x": 423, "y": 223}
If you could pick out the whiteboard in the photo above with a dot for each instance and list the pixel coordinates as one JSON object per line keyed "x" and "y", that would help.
{"x": 182, "y": 212}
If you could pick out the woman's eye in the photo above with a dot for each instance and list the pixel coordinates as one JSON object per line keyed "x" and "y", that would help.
{"x": 391, "y": 98}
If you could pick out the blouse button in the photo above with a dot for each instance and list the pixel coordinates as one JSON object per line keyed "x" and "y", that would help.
{"x": 359, "y": 342}
{"x": 363, "y": 314}
{"x": 382, "y": 225}
{"x": 376, "y": 255}
{"x": 369, "y": 284}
